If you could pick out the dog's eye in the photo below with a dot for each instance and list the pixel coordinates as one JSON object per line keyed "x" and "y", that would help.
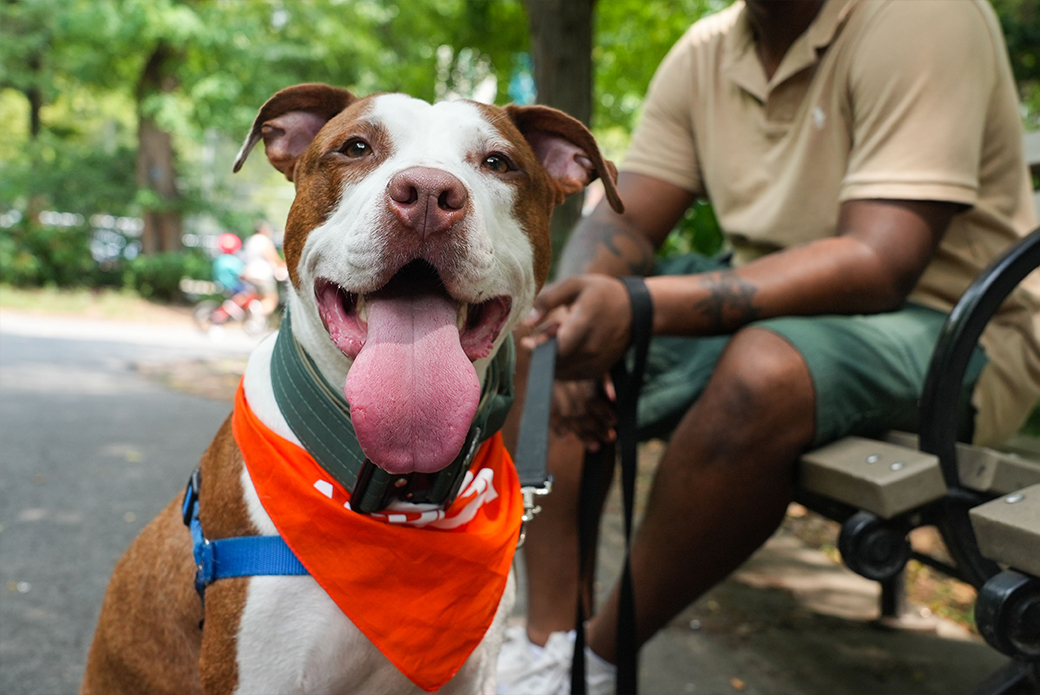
{"x": 498, "y": 163}
{"x": 355, "y": 149}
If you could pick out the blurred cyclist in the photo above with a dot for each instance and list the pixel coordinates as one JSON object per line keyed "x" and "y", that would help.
{"x": 263, "y": 266}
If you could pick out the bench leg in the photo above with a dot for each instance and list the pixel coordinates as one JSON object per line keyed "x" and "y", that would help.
{"x": 893, "y": 596}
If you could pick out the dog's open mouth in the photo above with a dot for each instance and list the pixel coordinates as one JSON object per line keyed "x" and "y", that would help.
{"x": 345, "y": 314}
{"x": 412, "y": 389}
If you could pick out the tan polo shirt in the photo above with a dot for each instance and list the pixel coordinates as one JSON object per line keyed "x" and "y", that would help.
{"x": 877, "y": 99}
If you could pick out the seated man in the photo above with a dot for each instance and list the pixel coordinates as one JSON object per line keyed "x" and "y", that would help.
{"x": 864, "y": 160}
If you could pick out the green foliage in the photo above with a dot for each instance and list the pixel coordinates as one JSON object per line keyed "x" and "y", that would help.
{"x": 1032, "y": 426}
{"x": 33, "y": 255}
{"x": 30, "y": 31}
{"x": 1020, "y": 21}
{"x": 697, "y": 232}
{"x": 37, "y": 255}
{"x": 158, "y": 276}
{"x": 72, "y": 177}
{"x": 74, "y": 69}
{"x": 631, "y": 40}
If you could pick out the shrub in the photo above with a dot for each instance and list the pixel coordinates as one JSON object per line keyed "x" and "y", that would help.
{"x": 35, "y": 255}
{"x": 158, "y": 276}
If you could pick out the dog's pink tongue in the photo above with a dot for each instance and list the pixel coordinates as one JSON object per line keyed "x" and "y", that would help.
{"x": 412, "y": 391}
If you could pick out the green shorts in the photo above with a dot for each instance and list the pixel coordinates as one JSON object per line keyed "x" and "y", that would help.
{"x": 868, "y": 370}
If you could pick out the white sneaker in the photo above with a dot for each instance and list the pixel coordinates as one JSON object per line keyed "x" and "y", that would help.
{"x": 525, "y": 668}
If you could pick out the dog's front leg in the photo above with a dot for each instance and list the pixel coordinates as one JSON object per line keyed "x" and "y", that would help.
{"x": 218, "y": 661}
{"x": 148, "y": 637}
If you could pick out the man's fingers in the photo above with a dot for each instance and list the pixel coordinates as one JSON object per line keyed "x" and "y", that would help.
{"x": 579, "y": 408}
{"x": 557, "y": 294}
{"x": 570, "y": 337}
{"x": 591, "y": 323}
{"x": 540, "y": 335}
{"x": 549, "y": 322}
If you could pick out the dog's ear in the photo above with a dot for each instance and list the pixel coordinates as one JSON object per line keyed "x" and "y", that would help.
{"x": 567, "y": 150}
{"x": 289, "y": 121}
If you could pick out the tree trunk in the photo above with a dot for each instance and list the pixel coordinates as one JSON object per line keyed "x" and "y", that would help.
{"x": 561, "y": 41}
{"x": 35, "y": 96}
{"x": 156, "y": 159}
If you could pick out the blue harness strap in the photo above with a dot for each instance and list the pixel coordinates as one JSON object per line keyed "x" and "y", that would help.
{"x": 244, "y": 556}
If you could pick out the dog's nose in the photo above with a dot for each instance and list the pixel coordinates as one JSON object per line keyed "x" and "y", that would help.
{"x": 427, "y": 200}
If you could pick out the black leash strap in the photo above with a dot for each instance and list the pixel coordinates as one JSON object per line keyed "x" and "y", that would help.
{"x": 588, "y": 518}
{"x": 532, "y": 446}
{"x": 628, "y": 381}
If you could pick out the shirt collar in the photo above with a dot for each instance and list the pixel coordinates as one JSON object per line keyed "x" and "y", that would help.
{"x": 743, "y": 66}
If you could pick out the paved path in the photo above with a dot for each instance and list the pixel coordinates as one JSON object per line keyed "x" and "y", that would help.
{"x": 90, "y": 450}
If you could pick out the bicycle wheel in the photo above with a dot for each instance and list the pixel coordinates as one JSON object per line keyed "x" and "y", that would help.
{"x": 203, "y": 314}
{"x": 256, "y": 323}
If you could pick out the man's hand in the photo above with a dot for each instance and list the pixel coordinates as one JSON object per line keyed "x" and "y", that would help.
{"x": 585, "y": 409}
{"x": 591, "y": 317}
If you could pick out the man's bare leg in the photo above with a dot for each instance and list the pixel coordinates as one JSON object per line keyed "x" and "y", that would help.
{"x": 722, "y": 485}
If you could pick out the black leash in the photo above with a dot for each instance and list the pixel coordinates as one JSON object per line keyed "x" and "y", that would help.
{"x": 627, "y": 384}
{"x": 532, "y": 445}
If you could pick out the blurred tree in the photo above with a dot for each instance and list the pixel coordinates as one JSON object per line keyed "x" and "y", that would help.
{"x": 1020, "y": 20}
{"x": 561, "y": 47}
{"x": 194, "y": 66}
{"x": 86, "y": 86}
{"x": 27, "y": 37}
{"x": 625, "y": 40}
{"x": 156, "y": 160}
{"x": 632, "y": 37}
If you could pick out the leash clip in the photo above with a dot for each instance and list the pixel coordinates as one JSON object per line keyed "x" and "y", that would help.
{"x": 531, "y": 507}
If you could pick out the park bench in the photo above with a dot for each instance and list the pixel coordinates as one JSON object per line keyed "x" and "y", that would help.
{"x": 985, "y": 502}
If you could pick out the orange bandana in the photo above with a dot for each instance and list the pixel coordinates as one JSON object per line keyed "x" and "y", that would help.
{"x": 423, "y": 586}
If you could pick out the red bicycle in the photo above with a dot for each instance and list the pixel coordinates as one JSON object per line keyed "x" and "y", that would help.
{"x": 243, "y": 307}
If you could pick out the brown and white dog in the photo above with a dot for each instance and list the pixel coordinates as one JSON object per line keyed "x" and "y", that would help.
{"x": 381, "y": 183}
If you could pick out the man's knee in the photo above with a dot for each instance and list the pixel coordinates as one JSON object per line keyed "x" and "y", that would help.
{"x": 762, "y": 388}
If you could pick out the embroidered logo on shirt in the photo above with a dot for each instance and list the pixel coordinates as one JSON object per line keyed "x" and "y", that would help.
{"x": 819, "y": 118}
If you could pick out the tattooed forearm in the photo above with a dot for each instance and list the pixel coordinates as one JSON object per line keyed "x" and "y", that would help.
{"x": 639, "y": 257}
{"x": 729, "y": 302}
{"x": 606, "y": 248}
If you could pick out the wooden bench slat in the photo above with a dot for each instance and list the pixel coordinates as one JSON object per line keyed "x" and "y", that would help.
{"x": 1013, "y": 466}
{"x": 880, "y": 477}
{"x": 997, "y": 472}
{"x": 1008, "y": 529}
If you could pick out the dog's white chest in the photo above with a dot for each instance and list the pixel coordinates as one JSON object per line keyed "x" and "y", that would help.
{"x": 294, "y": 640}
